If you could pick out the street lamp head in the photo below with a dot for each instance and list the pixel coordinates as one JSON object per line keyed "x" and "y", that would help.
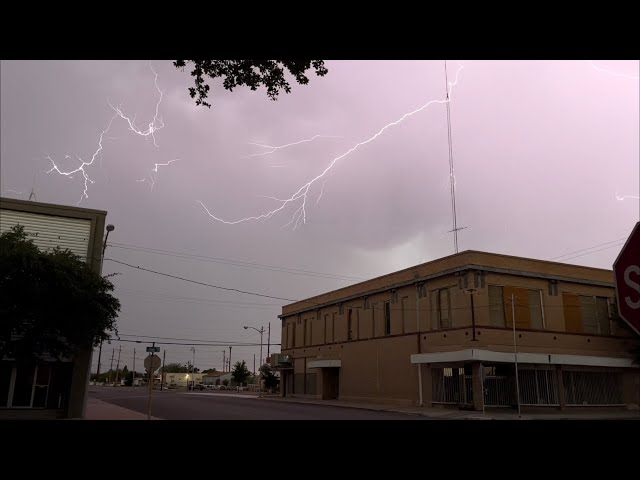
{"x": 110, "y": 228}
{"x": 246, "y": 328}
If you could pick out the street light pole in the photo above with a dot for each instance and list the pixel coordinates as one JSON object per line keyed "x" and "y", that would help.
{"x": 261, "y": 332}
{"x": 110, "y": 228}
{"x": 193, "y": 368}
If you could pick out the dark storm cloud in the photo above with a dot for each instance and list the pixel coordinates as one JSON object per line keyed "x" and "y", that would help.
{"x": 540, "y": 148}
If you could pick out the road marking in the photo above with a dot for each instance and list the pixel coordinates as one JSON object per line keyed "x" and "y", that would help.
{"x": 233, "y": 395}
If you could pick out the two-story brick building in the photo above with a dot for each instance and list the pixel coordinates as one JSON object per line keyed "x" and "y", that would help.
{"x": 442, "y": 333}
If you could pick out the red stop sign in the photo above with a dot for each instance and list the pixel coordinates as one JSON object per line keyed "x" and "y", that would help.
{"x": 626, "y": 270}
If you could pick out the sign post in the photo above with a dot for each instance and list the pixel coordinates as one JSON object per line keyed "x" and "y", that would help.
{"x": 626, "y": 270}
{"x": 151, "y": 363}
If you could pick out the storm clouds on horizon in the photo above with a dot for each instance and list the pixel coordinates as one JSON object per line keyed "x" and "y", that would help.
{"x": 546, "y": 159}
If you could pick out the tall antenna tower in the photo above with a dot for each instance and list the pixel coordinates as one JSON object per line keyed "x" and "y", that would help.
{"x": 33, "y": 189}
{"x": 452, "y": 178}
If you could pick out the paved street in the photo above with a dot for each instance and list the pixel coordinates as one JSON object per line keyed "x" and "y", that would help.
{"x": 228, "y": 406}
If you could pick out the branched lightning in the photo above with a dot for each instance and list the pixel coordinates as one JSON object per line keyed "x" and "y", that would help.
{"x": 615, "y": 74}
{"x": 155, "y": 125}
{"x": 83, "y": 164}
{"x": 301, "y": 193}
{"x": 280, "y": 147}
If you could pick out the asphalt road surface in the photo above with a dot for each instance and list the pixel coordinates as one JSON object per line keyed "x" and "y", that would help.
{"x": 228, "y": 406}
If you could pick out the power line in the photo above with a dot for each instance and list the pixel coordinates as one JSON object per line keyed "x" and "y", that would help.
{"x": 236, "y": 263}
{"x": 152, "y": 296}
{"x": 589, "y": 248}
{"x": 593, "y": 251}
{"x": 233, "y": 343}
{"x": 189, "y": 344}
{"x": 203, "y": 283}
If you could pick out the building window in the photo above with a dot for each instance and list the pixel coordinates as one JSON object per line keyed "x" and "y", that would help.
{"x": 586, "y": 314}
{"x": 293, "y": 335}
{"x": 304, "y": 336}
{"x": 350, "y": 324}
{"x": 326, "y": 322}
{"x": 333, "y": 327}
{"x": 387, "y": 318}
{"x": 441, "y": 308}
{"x": 527, "y": 306}
{"x": 405, "y": 306}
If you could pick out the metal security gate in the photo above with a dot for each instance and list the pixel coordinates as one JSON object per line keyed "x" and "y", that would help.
{"x": 593, "y": 388}
{"x": 451, "y": 386}
{"x": 538, "y": 387}
{"x": 499, "y": 391}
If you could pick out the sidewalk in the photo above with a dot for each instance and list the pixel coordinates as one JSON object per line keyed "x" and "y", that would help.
{"x": 454, "y": 414}
{"x": 99, "y": 410}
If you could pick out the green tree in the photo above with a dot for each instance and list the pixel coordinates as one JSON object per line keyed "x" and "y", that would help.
{"x": 250, "y": 73}
{"x": 50, "y": 302}
{"x": 240, "y": 372}
{"x": 128, "y": 381}
{"x": 269, "y": 377}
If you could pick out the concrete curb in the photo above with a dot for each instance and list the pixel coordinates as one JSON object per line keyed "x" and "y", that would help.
{"x": 462, "y": 415}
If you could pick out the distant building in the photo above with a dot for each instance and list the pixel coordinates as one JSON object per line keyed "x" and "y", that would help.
{"x": 51, "y": 388}
{"x": 441, "y": 333}
{"x": 181, "y": 380}
{"x": 213, "y": 378}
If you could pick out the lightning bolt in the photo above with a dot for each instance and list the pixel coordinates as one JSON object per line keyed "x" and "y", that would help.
{"x": 615, "y": 74}
{"x": 280, "y": 147}
{"x": 622, "y": 198}
{"x": 155, "y": 125}
{"x": 321, "y": 190}
{"x": 302, "y": 192}
{"x": 13, "y": 191}
{"x": 151, "y": 176}
{"x": 83, "y": 164}
{"x": 155, "y": 169}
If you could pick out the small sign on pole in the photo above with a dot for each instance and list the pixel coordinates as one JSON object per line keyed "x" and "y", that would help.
{"x": 153, "y": 349}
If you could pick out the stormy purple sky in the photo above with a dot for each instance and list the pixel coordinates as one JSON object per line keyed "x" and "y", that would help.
{"x": 544, "y": 153}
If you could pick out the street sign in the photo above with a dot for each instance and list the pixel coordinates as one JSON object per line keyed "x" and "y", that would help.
{"x": 152, "y": 362}
{"x": 626, "y": 271}
{"x": 153, "y": 349}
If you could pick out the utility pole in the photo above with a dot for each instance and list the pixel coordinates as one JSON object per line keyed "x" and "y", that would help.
{"x": 515, "y": 350}
{"x": 254, "y": 363}
{"x": 113, "y": 352}
{"x": 118, "y": 365}
{"x": 133, "y": 381}
{"x": 150, "y": 382}
{"x": 229, "y": 358}
{"x": 269, "y": 341}
{"x": 99, "y": 358}
{"x": 164, "y": 360}
{"x": 224, "y": 361}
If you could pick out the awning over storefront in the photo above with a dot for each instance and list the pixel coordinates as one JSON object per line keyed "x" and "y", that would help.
{"x": 477, "y": 355}
{"x": 325, "y": 364}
